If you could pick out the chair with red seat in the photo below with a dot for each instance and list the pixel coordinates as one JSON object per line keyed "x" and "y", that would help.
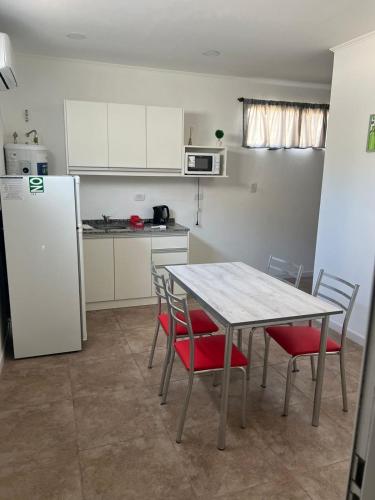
{"x": 199, "y": 355}
{"x": 283, "y": 270}
{"x": 300, "y": 341}
{"x": 202, "y": 324}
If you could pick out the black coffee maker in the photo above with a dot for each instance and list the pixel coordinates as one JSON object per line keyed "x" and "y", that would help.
{"x": 161, "y": 215}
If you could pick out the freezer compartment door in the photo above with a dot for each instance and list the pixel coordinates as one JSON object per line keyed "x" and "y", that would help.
{"x": 41, "y": 245}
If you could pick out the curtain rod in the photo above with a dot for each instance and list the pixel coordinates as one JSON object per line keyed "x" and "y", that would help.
{"x": 285, "y": 103}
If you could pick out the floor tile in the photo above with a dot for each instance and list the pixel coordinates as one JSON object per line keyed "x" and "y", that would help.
{"x": 38, "y": 479}
{"x": 30, "y": 384}
{"x": 101, "y": 375}
{"x": 42, "y": 431}
{"x": 153, "y": 375}
{"x": 333, "y": 408}
{"x": 130, "y": 317}
{"x": 101, "y": 345}
{"x": 138, "y": 469}
{"x": 104, "y": 402}
{"x": 275, "y": 490}
{"x": 326, "y": 483}
{"x": 53, "y": 361}
{"x": 113, "y": 417}
{"x": 139, "y": 338}
{"x": 102, "y": 321}
{"x": 244, "y": 463}
{"x": 297, "y": 443}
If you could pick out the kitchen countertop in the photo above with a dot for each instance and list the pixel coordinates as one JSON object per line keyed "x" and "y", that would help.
{"x": 122, "y": 227}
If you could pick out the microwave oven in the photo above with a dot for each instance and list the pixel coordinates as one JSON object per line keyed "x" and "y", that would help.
{"x": 202, "y": 164}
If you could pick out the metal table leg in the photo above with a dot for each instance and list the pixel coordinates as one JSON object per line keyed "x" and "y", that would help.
{"x": 320, "y": 371}
{"x": 225, "y": 387}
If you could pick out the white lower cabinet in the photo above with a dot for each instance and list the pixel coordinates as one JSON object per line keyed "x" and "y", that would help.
{"x": 118, "y": 269}
{"x": 99, "y": 269}
{"x": 132, "y": 268}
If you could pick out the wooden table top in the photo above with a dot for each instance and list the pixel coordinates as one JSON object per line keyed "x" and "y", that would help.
{"x": 240, "y": 295}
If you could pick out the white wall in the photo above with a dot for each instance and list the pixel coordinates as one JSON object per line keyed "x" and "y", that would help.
{"x": 281, "y": 218}
{"x": 346, "y": 235}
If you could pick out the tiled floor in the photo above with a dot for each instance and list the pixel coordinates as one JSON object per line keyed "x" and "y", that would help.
{"x": 89, "y": 425}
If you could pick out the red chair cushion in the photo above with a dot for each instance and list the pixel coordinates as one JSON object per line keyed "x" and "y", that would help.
{"x": 200, "y": 322}
{"x": 296, "y": 340}
{"x": 209, "y": 353}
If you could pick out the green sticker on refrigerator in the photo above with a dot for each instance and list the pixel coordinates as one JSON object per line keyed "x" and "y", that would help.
{"x": 36, "y": 184}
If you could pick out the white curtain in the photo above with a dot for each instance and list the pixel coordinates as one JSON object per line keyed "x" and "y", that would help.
{"x": 270, "y": 124}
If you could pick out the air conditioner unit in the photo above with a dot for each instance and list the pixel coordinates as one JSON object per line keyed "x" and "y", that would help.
{"x": 7, "y": 75}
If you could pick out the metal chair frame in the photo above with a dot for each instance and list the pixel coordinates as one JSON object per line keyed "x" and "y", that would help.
{"x": 161, "y": 284}
{"x": 179, "y": 305}
{"x": 348, "y": 308}
{"x": 284, "y": 268}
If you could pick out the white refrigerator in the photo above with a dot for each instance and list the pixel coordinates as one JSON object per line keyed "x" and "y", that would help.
{"x": 44, "y": 263}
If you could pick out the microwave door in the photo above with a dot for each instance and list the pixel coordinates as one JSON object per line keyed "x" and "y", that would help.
{"x": 200, "y": 163}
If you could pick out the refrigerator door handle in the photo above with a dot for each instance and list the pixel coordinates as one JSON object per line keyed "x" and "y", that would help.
{"x": 80, "y": 260}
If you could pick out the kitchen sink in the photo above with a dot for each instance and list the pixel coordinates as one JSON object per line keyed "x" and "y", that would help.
{"x": 110, "y": 226}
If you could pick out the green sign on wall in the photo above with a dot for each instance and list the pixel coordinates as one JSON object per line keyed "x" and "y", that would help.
{"x": 36, "y": 184}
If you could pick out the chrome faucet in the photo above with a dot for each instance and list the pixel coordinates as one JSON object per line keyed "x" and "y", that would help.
{"x": 35, "y": 138}
{"x": 106, "y": 218}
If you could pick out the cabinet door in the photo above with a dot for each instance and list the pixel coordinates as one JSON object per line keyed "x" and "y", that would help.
{"x": 126, "y": 136}
{"x": 99, "y": 269}
{"x": 164, "y": 137}
{"x": 86, "y": 134}
{"x": 132, "y": 268}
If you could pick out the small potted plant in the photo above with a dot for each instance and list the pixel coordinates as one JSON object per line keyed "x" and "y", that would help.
{"x": 219, "y": 134}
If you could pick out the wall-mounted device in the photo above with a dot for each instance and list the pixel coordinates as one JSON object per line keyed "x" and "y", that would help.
{"x": 202, "y": 163}
{"x": 26, "y": 159}
{"x": 7, "y": 74}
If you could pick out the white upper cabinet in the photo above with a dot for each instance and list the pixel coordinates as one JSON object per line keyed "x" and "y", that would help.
{"x": 107, "y": 138}
{"x": 164, "y": 137}
{"x": 126, "y": 136}
{"x": 86, "y": 134}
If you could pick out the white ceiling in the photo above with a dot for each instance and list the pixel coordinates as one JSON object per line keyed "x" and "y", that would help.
{"x": 286, "y": 39}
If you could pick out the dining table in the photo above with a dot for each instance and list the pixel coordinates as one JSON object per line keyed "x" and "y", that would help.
{"x": 239, "y": 296}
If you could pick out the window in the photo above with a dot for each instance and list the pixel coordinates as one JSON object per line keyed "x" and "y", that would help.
{"x": 279, "y": 124}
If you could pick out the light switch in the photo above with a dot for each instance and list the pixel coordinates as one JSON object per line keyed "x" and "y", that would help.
{"x": 139, "y": 197}
{"x": 254, "y": 187}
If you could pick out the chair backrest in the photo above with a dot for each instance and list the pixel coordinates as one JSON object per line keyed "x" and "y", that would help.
{"x": 285, "y": 271}
{"x": 160, "y": 286}
{"x": 341, "y": 293}
{"x": 179, "y": 313}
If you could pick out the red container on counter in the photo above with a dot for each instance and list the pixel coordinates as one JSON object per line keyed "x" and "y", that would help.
{"x": 136, "y": 222}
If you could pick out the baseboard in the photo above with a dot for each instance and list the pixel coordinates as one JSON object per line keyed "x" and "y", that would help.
{"x": 113, "y": 304}
{"x": 351, "y": 334}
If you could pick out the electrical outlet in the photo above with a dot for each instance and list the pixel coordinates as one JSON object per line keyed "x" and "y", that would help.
{"x": 139, "y": 197}
{"x": 254, "y": 187}
{"x": 200, "y": 196}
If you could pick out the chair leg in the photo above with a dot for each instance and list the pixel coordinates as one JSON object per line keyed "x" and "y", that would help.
{"x": 267, "y": 340}
{"x": 185, "y": 408}
{"x": 343, "y": 381}
{"x": 249, "y": 348}
{"x": 244, "y": 398}
{"x": 165, "y": 366}
{"x": 168, "y": 378}
{"x": 288, "y": 387}
{"x": 313, "y": 371}
{"x": 154, "y": 340}
{"x": 239, "y": 339}
{"x": 295, "y": 367}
